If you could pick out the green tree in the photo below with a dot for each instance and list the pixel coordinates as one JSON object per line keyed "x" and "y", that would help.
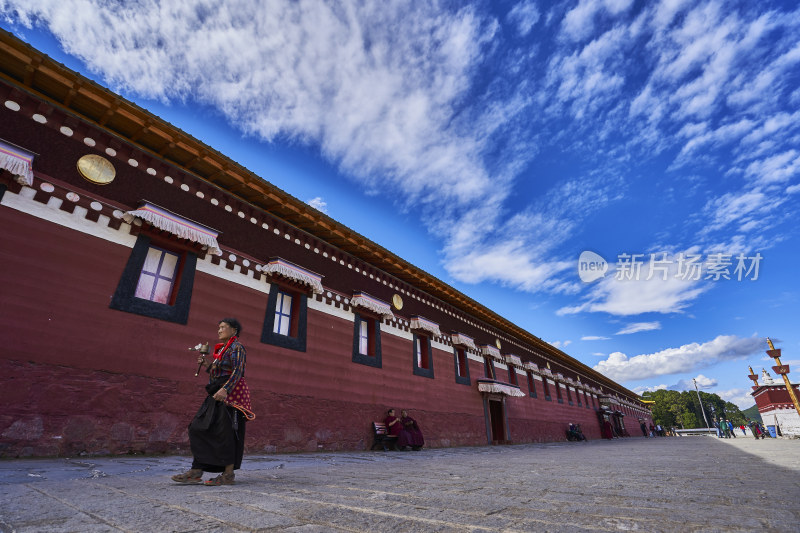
{"x": 682, "y": 408}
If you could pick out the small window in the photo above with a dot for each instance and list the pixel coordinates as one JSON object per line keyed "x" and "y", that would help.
{"x": 158, "y": 276}
{"x": 157, "y": 280}
{"x": 421, "y": 349}
{"x": 512, "y": 375}
{"x": 423, "y": 361}
{"x": 559, "y": 397}
{"x": 488, "y": 367}
{"x": 461, "y": 366}
{"x": 531, "y": 385}
{"x": 285, "y": 318}
{"x": 283, "y": 314}
{"x": 546, "y": 389}
{"x": 367, "y": 340}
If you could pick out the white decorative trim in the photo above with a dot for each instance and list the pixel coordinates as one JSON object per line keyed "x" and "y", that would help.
{"x": 513, "y": 359}
{"x": 499, "y": 388}
{"x": 463, "y": 340}
{"x": 290, "y": 270}
{"x": 418, "y": 322}
{"x": 180, "y": 227}
{"x": 370, "y": 303}
{"x": 491, "y": 351}
{"x": 532, "y": 367}
{"x": 17, "y": 161}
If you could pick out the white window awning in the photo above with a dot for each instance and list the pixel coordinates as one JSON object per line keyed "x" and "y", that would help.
{"x": 421, "y": 323}
{"x": 289, "y": 270}
{"x": 168, "y": 221}
{"x": 497, "y": 387}
{"x": 18, "y": 161}
{"x": 463, "y": 340}
{"x": 533, "y": 367}
{"x": 370, "y": 303}
{"x": 491, "y": 351}
{"x": 513, "y": 359}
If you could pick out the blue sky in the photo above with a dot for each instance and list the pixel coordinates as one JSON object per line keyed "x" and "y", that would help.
{"x": 491, "y": 143}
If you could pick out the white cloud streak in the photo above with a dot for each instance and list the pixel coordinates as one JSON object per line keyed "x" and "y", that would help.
{"x": 639, "y": 326}
{"x": 686, "y": 358}
{"x": 449, "y": 109}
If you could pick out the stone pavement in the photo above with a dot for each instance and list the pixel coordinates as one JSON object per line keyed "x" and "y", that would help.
{"x": 664, "y": 484}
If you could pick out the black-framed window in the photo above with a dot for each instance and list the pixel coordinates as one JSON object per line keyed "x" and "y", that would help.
{"x": 488, "y": 367}
{"x": 367, "y": 340}
{"x": 546, "y": 389}
{"x": 512, "y": 375}
{"x": 422, "y": 355}
{"x": 157, "y": 280}
{"x": 285, "y": 320}
{"x": 531, "y": 385}
{"x": 559, "y": 396}
{"x": 461, "y": 365}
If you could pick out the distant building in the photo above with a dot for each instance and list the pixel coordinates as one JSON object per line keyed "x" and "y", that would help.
{"x": 124, "y": 241}
{"x": 775, "y": 406}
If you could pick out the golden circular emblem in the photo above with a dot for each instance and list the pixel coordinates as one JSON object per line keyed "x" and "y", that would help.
{"x": 397, "y": 301}
{"x": 497, "y": 343}
{"x": 96, "y": 169}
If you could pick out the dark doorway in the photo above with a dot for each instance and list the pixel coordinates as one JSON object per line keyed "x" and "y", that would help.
{"x": 498, "y": 421}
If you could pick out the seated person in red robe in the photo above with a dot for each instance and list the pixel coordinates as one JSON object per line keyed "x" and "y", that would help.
{"x": 393, "y": 424}
{"x": 410, "y": 434}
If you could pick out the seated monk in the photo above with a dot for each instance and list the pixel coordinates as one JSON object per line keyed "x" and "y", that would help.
{"x": 410, "y": 435}
{"x": 393, "y": 425}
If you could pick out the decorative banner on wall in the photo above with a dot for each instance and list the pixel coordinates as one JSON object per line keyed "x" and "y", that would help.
{"x": 18, "y": 161}
{"x": 513, "y": 359}
{"x": 463, "y": 340}
{"x": 370, "y": 303}
{"x": 532, "y": 367}
{"x": 488, "y": 385}
{"x": 291, "y": 271}
{"x": 491, "y": 351}
{"x": 418, "y": 322}
{"x": 180, "y": 227}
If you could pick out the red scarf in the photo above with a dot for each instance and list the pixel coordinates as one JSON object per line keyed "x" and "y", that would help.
{"x": 220, "y": 348}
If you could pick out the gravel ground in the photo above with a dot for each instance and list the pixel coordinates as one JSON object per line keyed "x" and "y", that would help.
{"x": 664, "y": 484}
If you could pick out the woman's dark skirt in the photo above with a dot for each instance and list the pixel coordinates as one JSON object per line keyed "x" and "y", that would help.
{"x": 216, "y": 436}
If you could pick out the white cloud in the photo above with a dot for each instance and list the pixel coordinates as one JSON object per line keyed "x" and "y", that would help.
{"x": 401, "y": 98}
{"x": 741, "y": 207}
{"x": 594, "y": 338}
{"x": 636, "y": 296}
{"x": 776, "y": 168}
{"x": 560, "y": 344}
{"x": 636, "y": 327}
{"x": 642, "y": 389}
{"x": 683, "y": 359}
{"x": 702, "y": 383}
{"x": 579, "y": 22}
{"x": 741, "y": 398}
{"x": 524, "y": 15}
{"x": 319, "y": 204}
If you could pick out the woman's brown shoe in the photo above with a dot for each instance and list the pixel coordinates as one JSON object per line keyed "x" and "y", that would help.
{"x": 222, "y": 479}
{"x": 190, "y": 477}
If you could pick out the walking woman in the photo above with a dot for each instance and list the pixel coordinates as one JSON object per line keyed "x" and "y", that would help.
{"x": 216, "y": 434}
